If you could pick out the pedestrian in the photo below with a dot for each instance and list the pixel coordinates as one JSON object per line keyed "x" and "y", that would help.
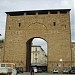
{"x": 14, "y": 72}
{"x": 32, "y": 71}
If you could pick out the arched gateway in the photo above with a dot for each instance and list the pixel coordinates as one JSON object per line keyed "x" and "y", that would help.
{"x": 51, "y": 25}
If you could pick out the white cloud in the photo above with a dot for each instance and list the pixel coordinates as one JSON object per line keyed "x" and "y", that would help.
{"x": 41, "y": 42}
{"x": 16, "y": 5}
{"x": 67, "y": 3}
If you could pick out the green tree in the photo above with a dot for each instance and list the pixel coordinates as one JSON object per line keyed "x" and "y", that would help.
{"x": 1, "y": 41}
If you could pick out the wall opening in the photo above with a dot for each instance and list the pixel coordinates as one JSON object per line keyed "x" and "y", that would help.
{"x": 36, "y": 54}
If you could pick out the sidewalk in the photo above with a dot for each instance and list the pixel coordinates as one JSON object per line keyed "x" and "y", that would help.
{"x": 27, "y": 73}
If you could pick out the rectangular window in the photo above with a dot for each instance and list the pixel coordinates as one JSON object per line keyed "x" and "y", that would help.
{"x": 9, "y": 28}
{"x": 36, "y": 49}
{"x": 35, "y": 60}
{"x": 35, "y": 54}
{"x": 54, "y": 23}
{"x": 16, "y": 14}
{"x": 2, "y": 65}
{"x": 63, "y": 12}
{"x": 30, "y": 13}
{"x": 8, "y": 65}
{"x": 19, "y": 24}
{"x": 42, "y": 12}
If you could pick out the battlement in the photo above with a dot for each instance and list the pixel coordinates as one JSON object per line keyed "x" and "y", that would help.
{"x": 34, "y": 12}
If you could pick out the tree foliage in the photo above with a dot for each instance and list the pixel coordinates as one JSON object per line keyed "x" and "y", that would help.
{"x": 1, "y": 41}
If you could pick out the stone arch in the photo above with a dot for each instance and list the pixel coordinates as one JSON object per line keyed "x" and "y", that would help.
{"x": 42, "y": 37}
{"x": 28, "y": 51}
{"x": 34, "y": 29}
{"x": 37, "y": 25}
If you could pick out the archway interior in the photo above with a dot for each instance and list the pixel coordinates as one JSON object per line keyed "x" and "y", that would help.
{"x": 35, "y": 42}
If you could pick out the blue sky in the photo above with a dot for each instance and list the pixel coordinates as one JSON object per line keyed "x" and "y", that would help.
{"x": 23, "y": 5}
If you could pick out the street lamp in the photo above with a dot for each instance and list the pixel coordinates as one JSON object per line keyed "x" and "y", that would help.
{"x": 60, "y": 60}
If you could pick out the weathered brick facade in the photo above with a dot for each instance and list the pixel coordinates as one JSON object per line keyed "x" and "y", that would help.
{"x": 51, "y": 25}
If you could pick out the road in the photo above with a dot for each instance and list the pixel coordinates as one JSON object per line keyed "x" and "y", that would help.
{"x": 27, "y": 73}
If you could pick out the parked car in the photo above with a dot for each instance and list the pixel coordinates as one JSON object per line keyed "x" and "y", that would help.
{"x": 72, "y": 71}
{"x": 19, "y": 69}
{"x": 44, "y": 70}
{"x": 55, "y": 70}
{"x": 39, "y": 70}
{"x": 35, "y": 69}
{"x": 66, "y": 70}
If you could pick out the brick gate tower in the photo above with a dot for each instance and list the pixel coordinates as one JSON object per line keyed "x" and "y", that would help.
{"x": 51, "y": 25}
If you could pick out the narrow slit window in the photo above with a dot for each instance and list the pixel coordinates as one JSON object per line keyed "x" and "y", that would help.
{"x": 19, "y": 24}
{"x": 65, "y": 26}
{"x": 9, "y": 28}
{"x": 54, "y": 23}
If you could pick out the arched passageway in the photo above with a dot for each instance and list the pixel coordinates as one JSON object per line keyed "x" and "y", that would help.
{"x": 31, "y": 59}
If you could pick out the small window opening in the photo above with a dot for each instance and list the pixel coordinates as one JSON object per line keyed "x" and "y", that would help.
{"x": 16, "y": 14}
{"x": 19, "y": 24}
{"x": 30, "y": 13}
{"x": 42, "y": 12}
{"x": 9, "y": 28}
{"x": 63, "y": 12}
{"x": 65, "y": 26}
{"x": 53, "y": 12}
{"x": 54, "y": 23}
{"x": 2, "y": 65}
{"x": 35, "y": 54}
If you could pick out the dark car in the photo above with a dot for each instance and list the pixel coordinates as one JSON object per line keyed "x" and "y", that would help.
{"x": 66, "y": 70}
{"x": 72, "y": 71}
{"x": 44, "y": 70}
{"x": 39, "y": 70}
{"x": 19, "y": 69}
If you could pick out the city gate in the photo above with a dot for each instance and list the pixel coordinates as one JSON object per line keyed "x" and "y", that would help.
{"x": 51, "y": 25}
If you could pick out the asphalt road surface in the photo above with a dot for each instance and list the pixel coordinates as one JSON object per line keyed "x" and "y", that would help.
{"x": 27, "y": 73}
